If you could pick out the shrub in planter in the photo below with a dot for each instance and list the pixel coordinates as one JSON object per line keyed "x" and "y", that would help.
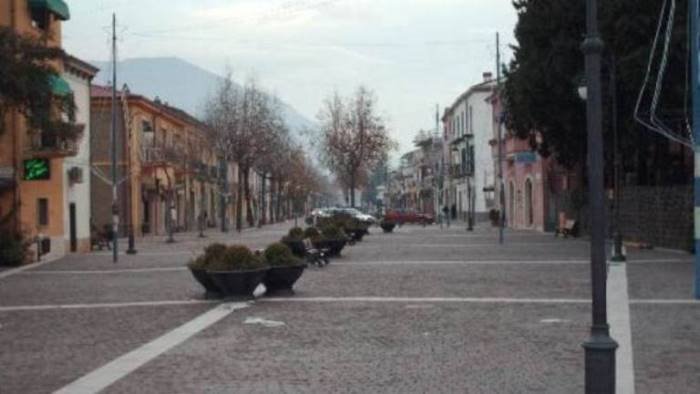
{"x": 238, "y": 272}
{"x": 285, "y": 268}
{"x": 311, "y": 232}
{"x": 295, "y": 241}
{"x": 333, "y": 238}
{"x": 387, "y": 225}
{"x": 14, "y": 248}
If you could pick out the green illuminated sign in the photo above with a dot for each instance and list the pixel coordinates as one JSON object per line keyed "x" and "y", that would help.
{"x": 37, "y": 169}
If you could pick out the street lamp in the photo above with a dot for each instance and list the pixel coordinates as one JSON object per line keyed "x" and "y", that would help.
{"x": 600, "y": 347}
{"x": 617, "y": 256}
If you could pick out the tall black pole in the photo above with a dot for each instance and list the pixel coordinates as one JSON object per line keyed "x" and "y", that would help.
{"x": 115, "y": 207}
{"x": 499, "y": 139}
{"x": 600, "y": 347}
{"x": 618, "y": 256}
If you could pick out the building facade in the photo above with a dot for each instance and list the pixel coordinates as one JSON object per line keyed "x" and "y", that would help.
{"x": 32, "y": 163}
{"x": 468, "y": 128}
{"x": 166, "y": 172}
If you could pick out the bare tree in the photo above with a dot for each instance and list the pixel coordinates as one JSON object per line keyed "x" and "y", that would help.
{"x": 353, "y": 138}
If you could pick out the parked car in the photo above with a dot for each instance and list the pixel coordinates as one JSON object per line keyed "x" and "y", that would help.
{"x": 410, "y": 216}
{"x": 330, "y": 212}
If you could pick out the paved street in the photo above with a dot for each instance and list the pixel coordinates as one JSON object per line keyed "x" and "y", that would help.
{"x": 419, "y": 310}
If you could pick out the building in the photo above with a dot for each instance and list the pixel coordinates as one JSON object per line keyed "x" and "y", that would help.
{"x": 532, "y": 183}
{"x": 166, "y": 170}
{"x": 429, "y": 159}
{"x": 468, "y": 128}
{"x": 33, "y": 162}
{"x": 76, "y": 183}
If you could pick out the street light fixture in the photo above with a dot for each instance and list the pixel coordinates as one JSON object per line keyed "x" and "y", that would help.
{"x": 600, "y": 347}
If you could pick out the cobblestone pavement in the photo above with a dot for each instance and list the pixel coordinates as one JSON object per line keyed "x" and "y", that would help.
{"x": 418, "y": 310}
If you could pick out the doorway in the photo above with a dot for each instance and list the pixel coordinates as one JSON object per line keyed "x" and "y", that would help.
{"x": 73, "y": 231}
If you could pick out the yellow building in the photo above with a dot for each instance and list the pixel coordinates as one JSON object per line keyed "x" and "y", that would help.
{"x": 31, "y": 166}
{"x": 164, "y": 160}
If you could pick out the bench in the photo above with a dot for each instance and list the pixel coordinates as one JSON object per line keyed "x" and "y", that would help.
{"x": 570, "y": 228}
{"x": 316, "y": 256}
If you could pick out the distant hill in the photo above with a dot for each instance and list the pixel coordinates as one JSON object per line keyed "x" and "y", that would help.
{"x": 180, "y": 84}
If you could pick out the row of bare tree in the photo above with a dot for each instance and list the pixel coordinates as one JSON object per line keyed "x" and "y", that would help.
{"x": 246, "y": 127}
{"x": 353, "y": 138}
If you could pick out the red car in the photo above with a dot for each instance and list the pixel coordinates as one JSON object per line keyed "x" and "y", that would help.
{"x": 410, "y": 216}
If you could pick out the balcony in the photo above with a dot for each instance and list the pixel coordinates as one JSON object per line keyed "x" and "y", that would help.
{"x": 49, "y": 146}
{"x": 152, "y": 156}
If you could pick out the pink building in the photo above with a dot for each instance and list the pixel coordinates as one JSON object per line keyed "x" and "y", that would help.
{"x": 531, "y": 183}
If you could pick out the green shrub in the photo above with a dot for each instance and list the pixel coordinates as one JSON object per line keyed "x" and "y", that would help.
{"x": 311, "y": 232}
{"x": 296, "y": 233}
{"x": 198, "y": 263}
{"x": 215, "y": 251}
{"x": 332, "y": 232}
{"x": 279, "y": 255}
{"x": 14, "y": 248}
{"x": 236, "y": 258}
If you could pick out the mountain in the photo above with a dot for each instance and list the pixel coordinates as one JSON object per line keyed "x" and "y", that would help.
{"x": 180, "y": 84}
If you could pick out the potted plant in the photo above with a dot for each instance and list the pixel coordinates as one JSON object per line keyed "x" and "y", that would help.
{"x": 495, "y": 217}
{"x": 285, "y": 269}
{"x": 295, "y": 241}
{"x": 387, "y": 225}
{"x": 311, "y": 232}
{"x": 355, "y": 229}
{"x": 333, "y": 238}
{"x": 198, "y": 266}
{"x": 238, "y": 272}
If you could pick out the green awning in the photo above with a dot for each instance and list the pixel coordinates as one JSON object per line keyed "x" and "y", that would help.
{"x": 59, "y": 86}
{"x": 58, "y": 7}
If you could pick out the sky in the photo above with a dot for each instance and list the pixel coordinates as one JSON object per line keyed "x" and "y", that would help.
{"x": 414, "y": 54}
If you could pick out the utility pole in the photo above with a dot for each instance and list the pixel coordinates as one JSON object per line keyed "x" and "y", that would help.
{"x": 617, "y": 256}
{"x": 499, "y": 139}
{"x": 600, "y": 347}
{"x": 694, "y": 15}
{"x": 115, "y": 207}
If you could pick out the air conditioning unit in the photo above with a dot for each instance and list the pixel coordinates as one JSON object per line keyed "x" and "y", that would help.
{"x": 75, "y": 175}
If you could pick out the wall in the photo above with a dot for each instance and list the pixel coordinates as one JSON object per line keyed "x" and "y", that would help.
{"x": 79, "y": 193}
{"x": 482, "y": 127}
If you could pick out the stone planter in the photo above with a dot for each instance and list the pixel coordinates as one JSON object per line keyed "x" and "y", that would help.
{"x": 357, "y": 234}
{"x": 388, "y": 227}
{"x": 334, "y": 246}
{"x": 202, "y": 276}
{"x": 238, "y": 283}
{"x": 280, "y": 280}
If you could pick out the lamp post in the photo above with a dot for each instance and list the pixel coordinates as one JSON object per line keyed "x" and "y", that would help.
{"x": 618, "y": 255}
{"x": 600, "y": 347}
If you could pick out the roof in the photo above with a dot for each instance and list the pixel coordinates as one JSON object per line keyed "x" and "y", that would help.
{"x": 76, "y": 66}
{"x": 105, "y": 92}
{"x": 485, "y": 86}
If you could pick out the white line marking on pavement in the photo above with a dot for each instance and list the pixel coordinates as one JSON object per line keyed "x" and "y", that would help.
{"x": 484, "y": 300}
{"x": 148, "y": 254}
{"x": 106, "y": 375}
{"x": 18, "y": 308}
{"x": 664, "y": 302}
{"x": 458, "y": 262}
{"x": 481, "y": 245}
{"x": 98, "y": 272}
{"x": 621, "y": 327}
{"x": 23, "y": 268}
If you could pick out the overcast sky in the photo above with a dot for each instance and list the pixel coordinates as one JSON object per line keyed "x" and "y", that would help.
{"x": 413, "y": 53}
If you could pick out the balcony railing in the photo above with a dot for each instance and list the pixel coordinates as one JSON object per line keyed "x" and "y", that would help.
{"x": 43, "y": 145}
{"x": 152, "y": 155}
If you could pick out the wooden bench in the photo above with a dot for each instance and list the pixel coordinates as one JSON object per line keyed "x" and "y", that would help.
{"x": 570, "y": 228}
{"x": 318, "y": 257}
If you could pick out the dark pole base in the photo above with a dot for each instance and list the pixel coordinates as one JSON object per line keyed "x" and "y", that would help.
{"x": 618, "y": 257}
{"x": 131, "y": 249}
{"x": 600, "y": 364}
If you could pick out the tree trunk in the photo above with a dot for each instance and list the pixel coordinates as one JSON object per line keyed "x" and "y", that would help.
{"x": 249, "y": 208}
{"x": 263, "y": 206}
{"x": 352, "y": 190}
{"x": 279, "y": 200}
{"x": 239, "y": 201}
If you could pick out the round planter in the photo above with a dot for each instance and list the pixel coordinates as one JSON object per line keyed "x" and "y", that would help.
{"x": 297, "y": 247}
{"x": 336, "y": 246}
{"x": 280, "y": 280}
{"x": 202, "y": 276}
{"x": 387, "y": 228}
{"x": 357, "y": 234}
{"x": 238, "y": 283}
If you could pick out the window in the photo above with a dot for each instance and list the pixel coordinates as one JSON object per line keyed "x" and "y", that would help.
{"x": 40, "y": 18}
{"x": 43, "y": 212}
{"x": 471, "y": 120}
